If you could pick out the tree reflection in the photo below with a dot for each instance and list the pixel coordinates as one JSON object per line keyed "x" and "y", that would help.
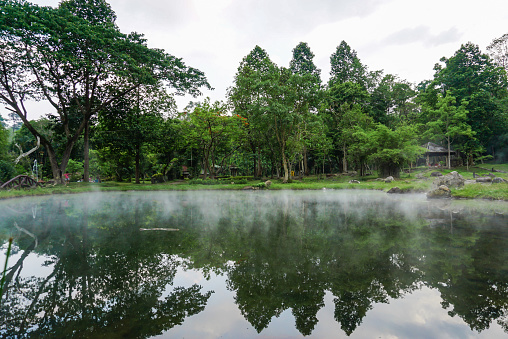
{"x": 279, "y": 254}
{"x": 106, "y": 280}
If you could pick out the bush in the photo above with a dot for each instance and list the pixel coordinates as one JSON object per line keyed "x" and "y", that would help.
{"x": 240, "y": 182}
{"x": 7, "y": 170}
{"x": 259, "y": 185}
{"x": 157, "y": 178}
{"x": 204, "y": 182}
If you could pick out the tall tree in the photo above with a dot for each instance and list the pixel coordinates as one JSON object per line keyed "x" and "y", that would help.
{"x": 448, "y": 122}
{"x": 392, "y": 101}
{"x": 133, "y": 124}
{"x": 346, "y": 107}
{"x": 498, "y": 50}
{"x": 346, "y": 66}
{"x": 247, "y": 100}
{"x": 308, "y": 92}
{"x": 210, "y": 129}
{"x": 470, "y": 75}
{"x": 75, "y": 54}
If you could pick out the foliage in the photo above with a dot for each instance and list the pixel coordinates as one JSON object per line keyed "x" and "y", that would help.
{"x": 214, "y": 133}
{"x": 391, "y": 149}
{"x": 346, "y": 66}
{"x": 469, "y": 75}
{"x": 448, "y": 122}
{"x": 72, "y": 56}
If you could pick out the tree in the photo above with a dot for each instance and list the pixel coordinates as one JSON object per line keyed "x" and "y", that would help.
{"x": 498, "y": 50}
{"x": 470, "y": 75}
{"x": 247, "y": 100}
{"x": 76, "y": 54}
{"x": 390, "y": 149}
{"x": 346, "y": 66}
{"x": 211, "y": 130}
{"x": 347, "y": 104}
{"x": 392, "y": 101}
{"x": 448, "y": 122}
{"x": 309, "y": 90}
{"x": 133, "y": 123}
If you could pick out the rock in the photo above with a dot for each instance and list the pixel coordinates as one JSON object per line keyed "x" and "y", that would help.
{"x": 436, "y": 174}
{"x": 354, "y": 182}
{"x": 442, "y": 192}
{"x": 248, "y": 188}
{"x": 452, "y": 179}
{"x": 268, "y": 183}
{"x": 352, "y": 174}
{"x": 484, "y": 179}
{"x": 389, "y": 179}
{"x": 498, "y": 180}
{"x": 420, "y": 176}
{"x": 395, "y": 190}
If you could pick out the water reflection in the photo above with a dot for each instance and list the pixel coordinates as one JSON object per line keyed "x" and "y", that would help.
{"x": 276, "y": 252}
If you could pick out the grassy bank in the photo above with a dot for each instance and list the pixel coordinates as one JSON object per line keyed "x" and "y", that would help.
{"x": 418, "y": 181}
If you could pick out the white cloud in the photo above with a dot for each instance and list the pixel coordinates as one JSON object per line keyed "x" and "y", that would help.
{"x": 399, "y": 36}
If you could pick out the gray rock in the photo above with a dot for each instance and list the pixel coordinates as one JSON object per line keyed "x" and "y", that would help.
{"x": 395, "y": 190}
{"x": 442, "y": 192}
{"x": 354, "y": 182}
{"x": 484, "y": 179}
{"x": 498, "y": 180}
{"x": 268, "y": 183}
{"x": 436, "y": 174}
{"x": 452, "y": 179}
{"x": 389, "y": 179}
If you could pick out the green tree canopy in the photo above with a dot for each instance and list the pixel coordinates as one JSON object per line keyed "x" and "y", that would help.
{"x": 471, "y": 75}
{"x": 76, "y": 54}
{"x": 346, "y": 66}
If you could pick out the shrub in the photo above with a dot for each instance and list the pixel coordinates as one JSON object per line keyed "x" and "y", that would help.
{"x": 7, "y": 170}
{"x": 205, "y": 182}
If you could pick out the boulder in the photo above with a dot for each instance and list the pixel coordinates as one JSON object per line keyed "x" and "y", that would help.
{"x": 436, "y": 174}
{"x": 452, "y": 179}
{"x": 389, "y": 179}
{"x": 442, "y": 192}
{"x": 354, "y": 182}
{"x": 483, "y": 179}
{"x": 498, "y": 180}
{"x": 268, "y": 183}
{"x": 395, "y": 190}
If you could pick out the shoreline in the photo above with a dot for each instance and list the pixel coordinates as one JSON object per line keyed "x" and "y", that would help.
{"x": 406, "y": 188}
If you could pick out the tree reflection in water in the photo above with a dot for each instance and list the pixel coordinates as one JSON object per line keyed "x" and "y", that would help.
{"x": 279, "y": 251}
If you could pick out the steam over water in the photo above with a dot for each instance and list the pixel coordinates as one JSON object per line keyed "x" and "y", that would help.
{"x": 228, "y": 264}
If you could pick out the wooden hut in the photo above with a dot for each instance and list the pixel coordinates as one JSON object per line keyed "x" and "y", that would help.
{"x": 436, "y": 153}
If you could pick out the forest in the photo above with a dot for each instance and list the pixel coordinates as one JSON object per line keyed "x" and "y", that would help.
{"x": 115, "y": 115}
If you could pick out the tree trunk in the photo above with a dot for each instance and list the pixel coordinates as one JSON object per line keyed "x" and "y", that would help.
{"x": 305, "y": 162}
{"x": 344, "y": 160}
{"x": 137, "y": 164}
{"x": 286, "y": 169}
{"x": 449, "y": 155}
{"x": 86, "y": 155}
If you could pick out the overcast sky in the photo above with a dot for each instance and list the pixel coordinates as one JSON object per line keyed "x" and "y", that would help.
{"x": 401, "y": 37}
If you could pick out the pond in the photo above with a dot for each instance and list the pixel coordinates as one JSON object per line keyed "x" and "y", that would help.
{"x": 275, "y": 264}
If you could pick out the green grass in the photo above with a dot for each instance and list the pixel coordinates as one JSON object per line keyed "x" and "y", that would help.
{"x": 407, "y": 183}
{"x": 482, "y": 191}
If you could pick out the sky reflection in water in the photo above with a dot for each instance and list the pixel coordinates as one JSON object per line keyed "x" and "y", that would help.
{"x": 255, "y": 264}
